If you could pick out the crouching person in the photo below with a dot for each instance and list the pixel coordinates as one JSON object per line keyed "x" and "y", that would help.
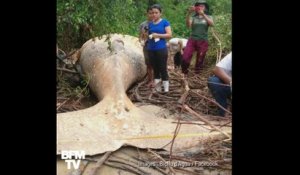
{"x": 175, "y": 52}
{"x": 220, "y": 83}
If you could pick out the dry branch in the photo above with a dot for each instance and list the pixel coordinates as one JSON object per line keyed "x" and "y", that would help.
{"x": 125, "y": 164}
{"x": 66, "y": 70}
{"x": 159, "y": 157}
{"x": 206, "y": 121}
{"x": 220, "y": 44}
{"x": 213, "y": 101}
{"x": 174, "y": 136}
{"x": 100, "y": 162}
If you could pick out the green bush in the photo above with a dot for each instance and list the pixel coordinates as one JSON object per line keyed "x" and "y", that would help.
{"x": 80, "y": 20}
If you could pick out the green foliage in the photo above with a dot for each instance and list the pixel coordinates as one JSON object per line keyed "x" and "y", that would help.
{"x": 222, "y": 14}
{"x": 220, "y": 11}
{"x": 80, "y": 20}
{"x": 75, "y": 20}
{"x": 71, "y": 85}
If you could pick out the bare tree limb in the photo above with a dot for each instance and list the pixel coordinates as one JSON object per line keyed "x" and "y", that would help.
{"x": 100, "y": 162}
{"x": 219, "y": 41}
{"x": 216, "y": 103}
{"x": 159, "y": 157}
{"x": 174, "y": 136}
{"x": 66, "y": 70}
{"x": 206, "y": 121}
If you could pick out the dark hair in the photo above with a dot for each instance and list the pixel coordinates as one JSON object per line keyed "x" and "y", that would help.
{"x": 156, "y": 6}
{"x": 148, "y": 9}
{"x": 146, "y": 28}
{"x": 198, "y": 3}
{"x": 206, "y": 11}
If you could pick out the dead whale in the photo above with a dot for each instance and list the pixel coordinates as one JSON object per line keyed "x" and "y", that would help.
{"x": 112, "y": 66}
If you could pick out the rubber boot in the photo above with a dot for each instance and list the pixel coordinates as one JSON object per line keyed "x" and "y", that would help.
{"x": 166, "y": 86}
{"x": 157, "y": 87}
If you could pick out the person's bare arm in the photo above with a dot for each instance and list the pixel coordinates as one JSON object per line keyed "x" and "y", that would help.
{"x": 188, "y": 20}
{"x": 210, "y": 22}
{"x": 180, "y": 46}
{"x": 140, "y": 36}
{"x": 167, "y": 35}
{"x": 219, "y": 72}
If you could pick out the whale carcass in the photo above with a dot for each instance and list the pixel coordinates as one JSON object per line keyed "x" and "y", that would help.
{"x": 112, "y": 64}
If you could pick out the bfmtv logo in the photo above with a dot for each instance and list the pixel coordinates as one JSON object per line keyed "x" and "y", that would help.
{"x": 68, "y": 156}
